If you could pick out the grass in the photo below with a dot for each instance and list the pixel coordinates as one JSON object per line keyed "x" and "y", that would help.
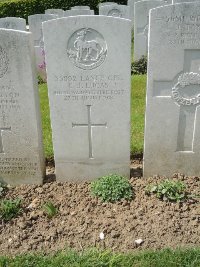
{"x": 95, "y": 258}
{"x": 137, "y": 116}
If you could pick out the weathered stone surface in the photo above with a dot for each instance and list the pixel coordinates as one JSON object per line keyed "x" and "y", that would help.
{"x": 141, "y": 25}
{"x": 35, "y": 26}
{"x": 172, "y": 132}
{"x": 21, "y": 150}
{"x": 89, "y": 92}
{"x": 79, "y": 7}
{"x": 13, "y": 23}
{"x": 76, "y": 12}
{"x": 114, "y": 10}
{"x": 183, "y": 1}
{"x": 58, "y": 12}
{"x": 106, "y": 3}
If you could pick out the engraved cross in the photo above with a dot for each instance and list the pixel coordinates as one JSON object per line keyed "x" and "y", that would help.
{"x": 89, "y": 125}
{"x": 1, "y": 137}
{"x": 184, "y": 89}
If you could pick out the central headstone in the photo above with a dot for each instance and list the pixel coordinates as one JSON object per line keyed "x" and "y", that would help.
{"x": 77, "y": 12}
{"x": 172, "y": 134}
{"x": 21, "y": 150}
{"x": 89, "y": 92}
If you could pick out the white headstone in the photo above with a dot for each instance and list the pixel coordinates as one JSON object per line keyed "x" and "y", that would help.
{"x": 21, "y": 149}
{"x": 76, "y": 12}
{"x": 13, "y": 23}
{"x": 35, "y": 26}
{"x": 58, "y": 12}
{"x": 79, "y": 7}
{"x": 183, "y": 1}
{"x": 172, "y": 133}
{"x": 141, "y": 25}
{"x": 114, "y": 10}
{"x": 106, "y": 3}
{"x": 88, "y": 66}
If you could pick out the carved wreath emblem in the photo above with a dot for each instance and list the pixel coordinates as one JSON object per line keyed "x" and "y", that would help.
{"x": 87, "y": 49}
{"x": 4, "y": 61}
{"x": 186, "y": 79}
{"x": 115, "y": 13}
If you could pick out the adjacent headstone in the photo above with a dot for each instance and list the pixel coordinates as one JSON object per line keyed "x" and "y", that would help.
{"x": 183, "y": 1}
{"x": 141, "y": 25}
{"x": 77, "y": 12}
{"x": 13, "y": 23}
{"x": 58, "y": 12}
{"x": 114, "y": 10}
{"x": 131, "y": 4}
{"x": 35, "y": 26}
{"x": 21, "y": 149}
{"x": 80, "y": 7}
{"x": 88, "y": 66}
{"x": 172, "y": 132}
{"x": 106, "y": 3}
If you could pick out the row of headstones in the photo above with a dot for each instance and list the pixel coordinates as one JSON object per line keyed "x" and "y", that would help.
{"x": 88, "y": 66}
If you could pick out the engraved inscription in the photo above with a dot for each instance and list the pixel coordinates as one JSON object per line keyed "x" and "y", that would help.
{"x": 1, "y": 138}
{"x": 115, "y": 13}
{"x": 90, "y": 87}
{"x": 89, "y": 125}
{"x": 4, "y": 61}
{"x": 87, "y": 49}
{"x": 18, "y": 166}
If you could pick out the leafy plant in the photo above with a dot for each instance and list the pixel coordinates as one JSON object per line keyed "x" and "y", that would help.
{"x": 168, "y": 190}
{"x": 112, "y": 188}
{"x": 139, "y": 66}
{"x": 49, "y": 209}
{"x": 10, "y": 209}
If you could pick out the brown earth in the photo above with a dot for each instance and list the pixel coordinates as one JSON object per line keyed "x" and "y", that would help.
{"x": 81, "y": 218}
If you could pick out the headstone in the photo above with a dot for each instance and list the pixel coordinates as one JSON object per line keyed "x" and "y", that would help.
{"x": 21, "y": 150}
{"x": 141, "y": 25}
{"x": 114, "y": 10}
{"x": 80, "y": 7}
{"x": 13, "y": 23}
{"x": 131, "y": 4}
{"x": 106, "y": 3}
{"x": 172, "y": 134}
{"x": 76, "y": 12}
{"x": 88, "y": 65}
{"x": 58, "y": 12}
{"x": 35, "y": 26}
{"x": 183, "y": 1}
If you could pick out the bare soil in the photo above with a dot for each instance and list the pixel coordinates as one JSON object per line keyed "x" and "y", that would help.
{"x": 81, "y": 218}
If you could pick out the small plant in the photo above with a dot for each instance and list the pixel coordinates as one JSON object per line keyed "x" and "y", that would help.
{"x": 2, "y": 188}
{"x": 139, "y": 66}
{"x": 49, "y": 209}
{"x": 168, "y": 190}
{"x": 10, "y": 209}
{"x": 112, "y": 188}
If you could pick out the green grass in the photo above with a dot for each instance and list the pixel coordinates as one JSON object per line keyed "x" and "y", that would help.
{"x": 94, "y": 258}
{"x": 137, "y": 116}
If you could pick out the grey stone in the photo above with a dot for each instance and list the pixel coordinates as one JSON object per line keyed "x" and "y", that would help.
{"x": 172, "y": 132}
{"x": 183, "y": 1}
{"x": 58, "y": 12}
{"x": 21, "y": 149}
{"x": 76, "y": 12}
{"x": 106, "y": 3}
{"x": 80, "y": 7}
{"x": 13, "y": 23}
{"x": 89, "y": 92}
{"x": 141, "y": 25}
{"x": 114, "y": 10}
{"x": 35, "y": 26}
